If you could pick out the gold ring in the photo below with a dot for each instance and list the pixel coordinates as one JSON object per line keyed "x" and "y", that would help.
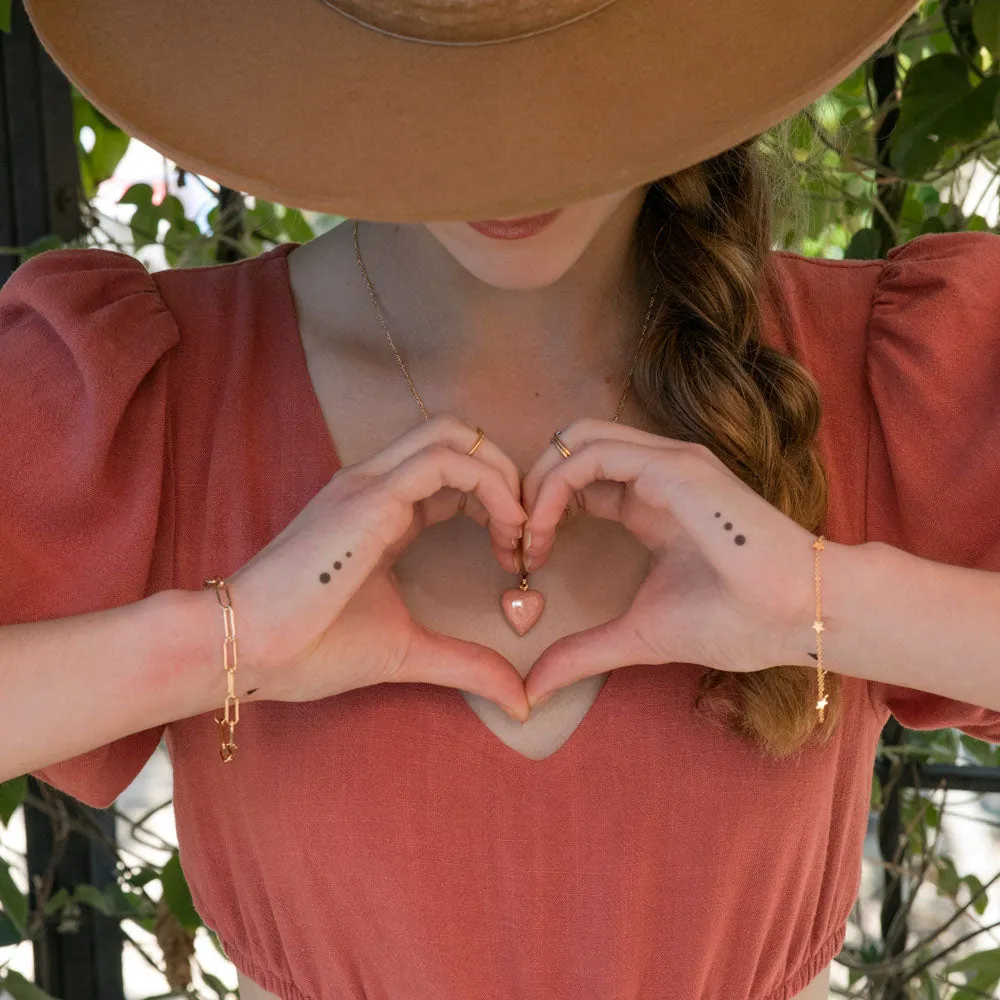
{"x": 479, "y": 441}
{"x": 558, "y": 442}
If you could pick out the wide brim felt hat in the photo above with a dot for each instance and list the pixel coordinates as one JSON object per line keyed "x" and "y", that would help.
{"x": 394, "y": 110}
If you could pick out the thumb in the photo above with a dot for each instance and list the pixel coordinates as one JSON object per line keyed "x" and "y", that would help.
{"x": 435, "y": 658}
{"x": 593, "y": 651}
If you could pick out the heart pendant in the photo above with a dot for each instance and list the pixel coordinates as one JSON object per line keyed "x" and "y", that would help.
{"x": 522, "y": 606}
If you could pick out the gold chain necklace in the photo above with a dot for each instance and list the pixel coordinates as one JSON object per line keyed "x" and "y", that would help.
{"x": 522, "y": 594}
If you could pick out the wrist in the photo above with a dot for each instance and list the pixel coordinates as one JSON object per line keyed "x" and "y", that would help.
{"x": 848, "y": 576}
{"x": 194, "y": 640}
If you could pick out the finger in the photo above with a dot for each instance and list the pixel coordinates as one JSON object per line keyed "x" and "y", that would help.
{"x": 444, "y": 428}
{"x": 575, "y": 436}
{"x": 504, "y": 547}
{"x": 602, "y": 460}
{"x": 435, "y": 658}
{"x": 596, "y": 650}
{"x": 437, "y": 466}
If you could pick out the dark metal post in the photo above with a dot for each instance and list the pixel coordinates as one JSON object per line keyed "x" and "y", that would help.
{"x": 39, "y": 175}
{"x": 85, "y": 964}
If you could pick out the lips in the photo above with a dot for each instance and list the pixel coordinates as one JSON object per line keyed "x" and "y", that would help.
{"x": 515, "y": 229}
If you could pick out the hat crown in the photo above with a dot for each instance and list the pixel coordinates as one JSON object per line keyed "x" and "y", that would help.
{"x": 465, "y": 22}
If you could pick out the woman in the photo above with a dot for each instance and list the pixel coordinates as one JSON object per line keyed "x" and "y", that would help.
{"x": 690, "y": 826}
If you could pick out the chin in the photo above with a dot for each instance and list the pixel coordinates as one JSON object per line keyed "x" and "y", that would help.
{"x": 516, "y": 265}
{"x": 536, "y": 261}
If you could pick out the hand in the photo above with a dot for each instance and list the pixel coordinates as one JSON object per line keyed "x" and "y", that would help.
{"x": 323, "y": 613}
{"x": 730, "y": 582}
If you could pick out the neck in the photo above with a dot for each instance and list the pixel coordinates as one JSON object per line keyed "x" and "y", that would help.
{"x": 446, "y": 321}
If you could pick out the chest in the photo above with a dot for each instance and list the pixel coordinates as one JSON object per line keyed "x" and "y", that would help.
{"x": 448, "y": 576}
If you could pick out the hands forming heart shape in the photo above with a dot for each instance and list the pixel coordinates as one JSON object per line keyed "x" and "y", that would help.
{"x": 730, "y": 582}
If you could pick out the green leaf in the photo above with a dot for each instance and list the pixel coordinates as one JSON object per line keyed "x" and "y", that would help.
{"x": 177, "y": 893}
{"x": 296, "y": 227}
{"x": 975, "y": 886}
{"x": 47, "y": 242}
{"x": 110, "y": 144}
{"x": 947, "y": 877}
{"x": 145, "y": 220}
{"x": 56, "y": 902}
{"x": 12, "y": 900}
{"x": 9, "y": 934}
{"x": 99, "y": 899}
{"x": 986, "y": 25}
{"x": 20, "y": 989}
{"x": 984, "y": 967}
{"x": 5, "y": 16}
{"x": 172, "y": 209}
{"x": 940, "y": 106}
{"x": 214, "y": 983}
{"x": 137, "y": 194}
{"x": 141, "y": 877}
{"x": 852, "y": 87}
{"x": 263, "y": 222}
{"x": 866, "y": 244}
{"x": 929, "y": 983}
{"x": 12, "y": 794}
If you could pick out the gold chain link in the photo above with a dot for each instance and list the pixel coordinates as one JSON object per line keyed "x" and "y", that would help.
{"x": 821, "y": 704}
{"x": 228, "y": 747}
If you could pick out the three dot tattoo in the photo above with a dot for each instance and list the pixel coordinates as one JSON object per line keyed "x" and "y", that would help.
{"x": 738, "y": 539}
{"x": 325, "y": 577}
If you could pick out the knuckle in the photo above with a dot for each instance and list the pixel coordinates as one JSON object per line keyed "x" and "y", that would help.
{"x": 438, "y": 452}
{"x": 448, "y": 423}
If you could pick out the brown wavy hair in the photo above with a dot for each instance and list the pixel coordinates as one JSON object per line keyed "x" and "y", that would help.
{"x": 705, "y": 376}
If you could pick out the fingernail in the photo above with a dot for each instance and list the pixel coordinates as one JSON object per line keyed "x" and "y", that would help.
{"x": 526, "y": 559}
{"x": 526, "y": 539}
{"x": 510, "y": 714}
{"x": 541, "y": 701}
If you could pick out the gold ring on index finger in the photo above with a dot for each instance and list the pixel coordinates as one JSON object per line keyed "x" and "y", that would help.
{"x": 565, "y": 452}
{"x": 560, "y": 444}
{"x": 479, "y": 440}
{"x": 480, "y": 434}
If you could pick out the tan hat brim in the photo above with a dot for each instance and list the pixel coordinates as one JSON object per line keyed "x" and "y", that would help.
{"x": 292, "y": 102}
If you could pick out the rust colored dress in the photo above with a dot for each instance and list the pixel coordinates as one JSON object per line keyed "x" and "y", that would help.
{"x": 417, "y": 856}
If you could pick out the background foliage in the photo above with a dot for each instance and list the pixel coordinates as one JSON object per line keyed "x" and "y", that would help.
{"x": 897, "y": 149}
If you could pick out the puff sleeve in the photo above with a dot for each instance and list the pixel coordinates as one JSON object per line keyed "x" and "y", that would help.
{"x": 933, "y": 360}
{"x": 84, "y": 343}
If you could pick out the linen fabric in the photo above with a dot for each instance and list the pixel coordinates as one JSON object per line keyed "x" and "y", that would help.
{"x": 162, "y": 428}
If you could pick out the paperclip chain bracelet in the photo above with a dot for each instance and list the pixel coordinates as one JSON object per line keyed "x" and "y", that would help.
{"x": 227, "y": 747}
{"x": 822, "y": 701}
